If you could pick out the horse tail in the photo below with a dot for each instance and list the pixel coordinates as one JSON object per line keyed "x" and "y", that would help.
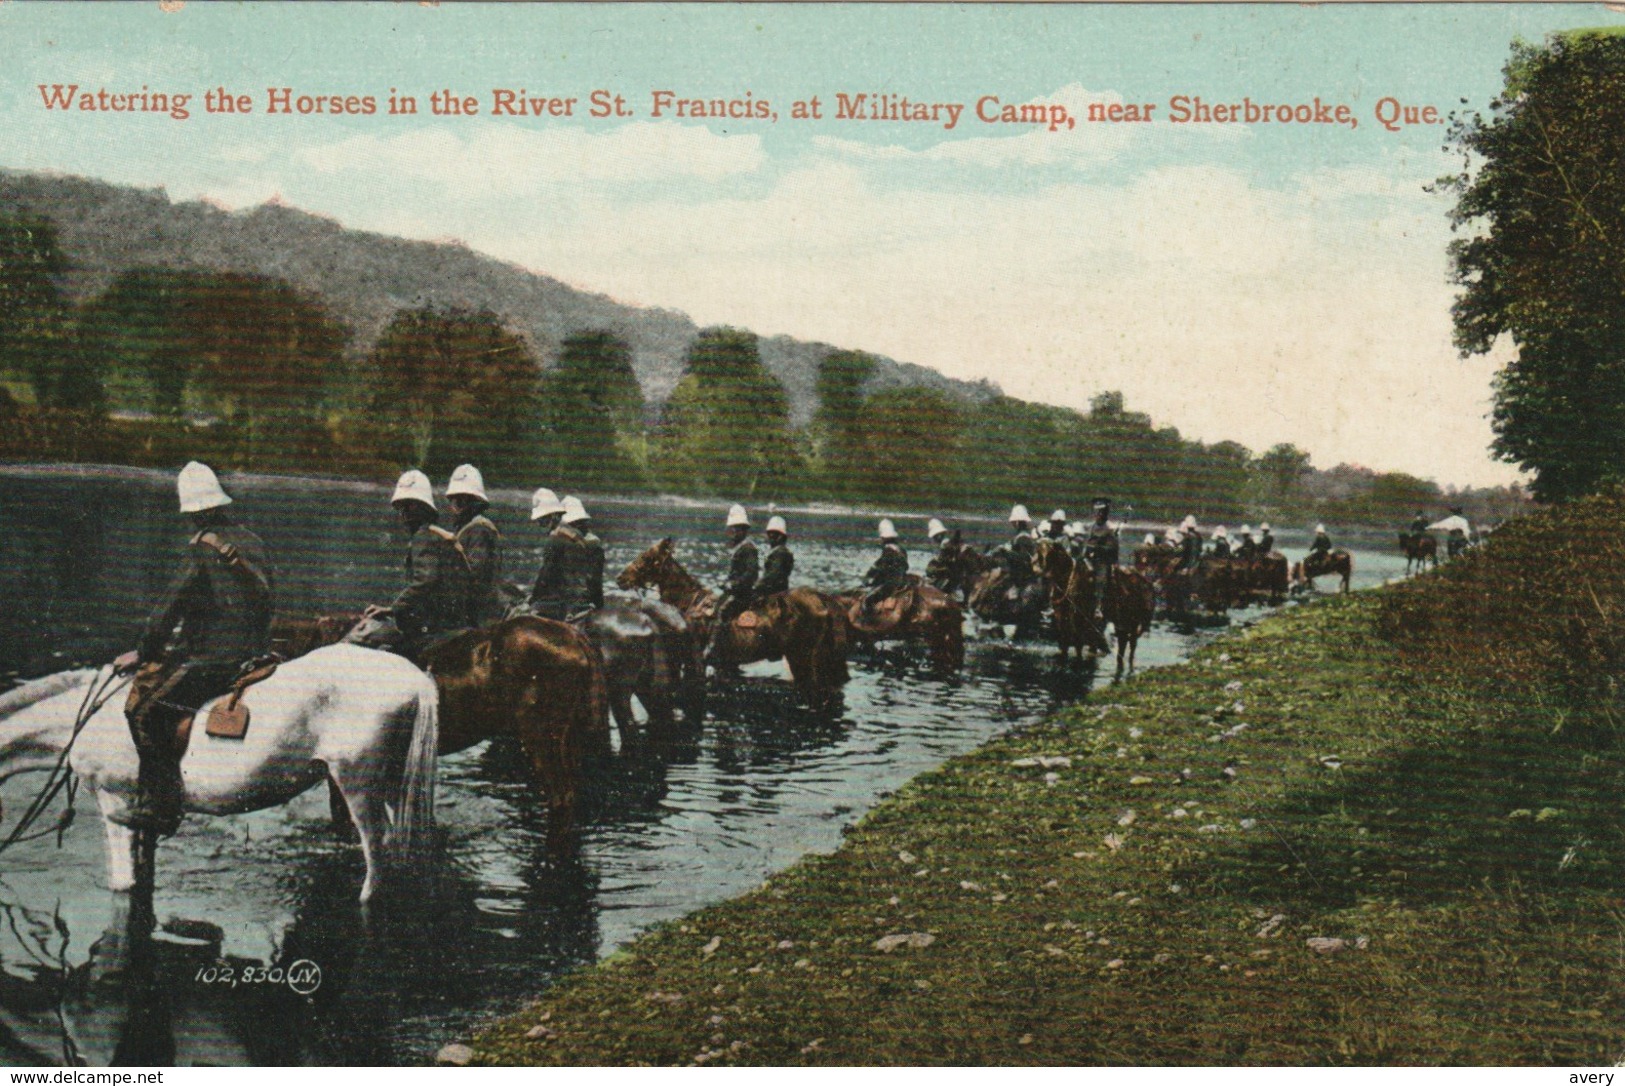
{"x": 414, "y": 810}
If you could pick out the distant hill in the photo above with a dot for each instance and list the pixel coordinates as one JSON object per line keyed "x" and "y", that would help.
{"x": 364, "y": 278}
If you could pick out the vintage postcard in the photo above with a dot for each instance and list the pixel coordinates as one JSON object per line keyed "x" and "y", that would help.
{"x": 841, "y": 535}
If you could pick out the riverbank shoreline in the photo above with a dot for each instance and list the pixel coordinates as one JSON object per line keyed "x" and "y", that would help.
{"x": 993, "y": 523}
{"x": 1313, "y": 844}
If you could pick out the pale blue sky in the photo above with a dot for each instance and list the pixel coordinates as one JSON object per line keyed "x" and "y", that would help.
{"x": 1303, "y": 264}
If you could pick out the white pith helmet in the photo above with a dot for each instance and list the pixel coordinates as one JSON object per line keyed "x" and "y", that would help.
{"x": 574, "y": 511}
{"x": 1171, "y": 535}
{"x": 1189, "y": 521}
{"x": 413, "y": 486}
{"x": 544, "y": 503}
{"x": 1244, "y": 530}
{"x": 1264, "y": 527}
{"x": 1058, "y": 515}
{"x": 1018, "y": 514}
{"x": 199, "y": 489}
{"x": 1220, "y": 533}
{"x": 776, "y": 524}
{"x": 1151, "y": 539}
{"x": 466, "y": 480}
{"x": 887, "y": 531}
{"x": 1320, "y": 529}
{"x": 935, "y": 528}
{"x": 737, "y": 517}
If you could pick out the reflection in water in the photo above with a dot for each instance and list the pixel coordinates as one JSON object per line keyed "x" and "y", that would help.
{"x": 668, "y": 825}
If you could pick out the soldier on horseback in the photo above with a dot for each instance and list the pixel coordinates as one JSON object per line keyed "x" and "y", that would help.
{"x": 1018, "y": 553}
{"x": 570, "y": 580}
{"x": 779, "y": 563}
{"x": 1221, "y": 543}
{"x": 214, "y": 618}
{"x": 434, "y": 603}
{"x": 943, "y": 570}
{"x": 1266, "y": 541}
{"x": 1321, "y": 546}
{"x": 889, "y": 574}
{"x": 1419, "y": 526}
{"x": 1100, "y": 550}
{"x": 1189, "y": 542}
{"x": 1246, "y": 548}
{"x": 480, "y": 543}
{"x": 740, "y": 586}
{"x": 577, "y": 517}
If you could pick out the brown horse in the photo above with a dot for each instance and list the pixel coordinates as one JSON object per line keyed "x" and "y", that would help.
{"x": 1071, "y": 599}
{"x": 919, "y": 612}
{"x": 1420, "y": 550}
{"x": 539, "y": 681}
{"x": 1339, "y": 563}
{"x": 1129, "y": 604}
{"x": 957, "y": 570}
{"x": 993, "y": 598}
{"x": 1211, "y": 586}
{"x": 805, "y": 628}
{"x": 1249, "y": 580}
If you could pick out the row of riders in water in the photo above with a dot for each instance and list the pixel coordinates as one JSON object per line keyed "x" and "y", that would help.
{"x": 216, "y": 617}
{"x": 473, "y": 658}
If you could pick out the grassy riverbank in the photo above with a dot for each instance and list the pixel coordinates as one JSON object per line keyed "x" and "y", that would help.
{"x": 1377, "y": 829}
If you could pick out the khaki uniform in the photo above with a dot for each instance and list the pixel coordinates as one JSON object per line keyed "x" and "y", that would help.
{"x": 481, "y": 545}
{"x": 214, "y": 617}
{"x": 570, "y": 579}
{"x": 776, "y": 569}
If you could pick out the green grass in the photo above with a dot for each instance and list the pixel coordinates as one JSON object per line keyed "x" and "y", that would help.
{"x": 1463, "y": 841}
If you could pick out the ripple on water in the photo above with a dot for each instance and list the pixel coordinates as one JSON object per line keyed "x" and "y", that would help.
{"x": 764, "y": 783}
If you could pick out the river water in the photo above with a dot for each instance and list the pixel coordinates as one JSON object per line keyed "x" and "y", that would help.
{"x": 82, "y": 554}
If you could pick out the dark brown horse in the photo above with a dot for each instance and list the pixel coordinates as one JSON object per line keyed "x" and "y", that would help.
{"x": 1071, "y": 600}
{"x": 1420, "y": 550}
{"x": 992, "y": 597}
{"x": 920, "y": 612}
{"x": 1211, "y": 586}
{"x": 805, "y": 628}
{"x": 1338, "y": 563}
{"x": 1129, "y": 604}
{"x": 538, "y": 681}
{"x": 956, "y": 569}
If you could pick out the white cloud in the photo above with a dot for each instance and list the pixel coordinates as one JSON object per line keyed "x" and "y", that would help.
{"x": 1228, "y": 310}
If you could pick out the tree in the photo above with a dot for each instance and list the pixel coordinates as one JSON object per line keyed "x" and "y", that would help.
{"x": 454, "y": 385}
{"x": 35, "y": 342}
{"x": 726, "y": 427}
{"x": 249, "y": 347}
{"x": 1543, "y": 262}
{"x": 1278, "y": 476}
{"x": 907, "y": 447}
{"x": 841, "y": 378}
{"x": 137, "y": 331}
{"x": 591, "y": 414}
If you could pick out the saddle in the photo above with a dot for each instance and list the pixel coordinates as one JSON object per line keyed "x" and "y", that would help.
{"x": 747, "y": 620}
{"x": 229, "y": 718}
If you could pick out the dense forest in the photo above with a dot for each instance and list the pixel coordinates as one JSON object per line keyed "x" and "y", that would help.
{"x": 252, "y": 372}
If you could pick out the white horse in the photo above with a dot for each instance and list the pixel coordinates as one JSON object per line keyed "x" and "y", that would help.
{"x": 365, "y": 719}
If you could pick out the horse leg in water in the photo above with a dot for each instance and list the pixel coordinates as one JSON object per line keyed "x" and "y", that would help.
{"x": 361, "y": 788}
{"x": 343, "y": 825}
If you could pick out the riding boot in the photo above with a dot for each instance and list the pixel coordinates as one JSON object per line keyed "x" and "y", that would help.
{"x": 160, "y": 796}
{"x": 712, "y": 656}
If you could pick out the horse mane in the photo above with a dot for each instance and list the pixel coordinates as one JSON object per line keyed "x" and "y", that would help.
{"x": 37, "y": 690}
